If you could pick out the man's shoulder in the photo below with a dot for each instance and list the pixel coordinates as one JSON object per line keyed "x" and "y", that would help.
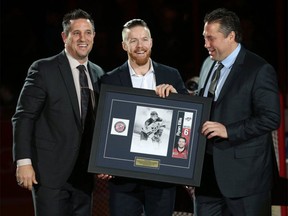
{"x": 161, "y": 66}
{"x": 49, "y": 61}
{"x": 116, "y": 70}
{"x": 95, "y": 67}
{"x": 110, "y": 74}
{"x": 250, "y": 62}
{"x": 115, "y": 73}
{"x": 251, "y": 56}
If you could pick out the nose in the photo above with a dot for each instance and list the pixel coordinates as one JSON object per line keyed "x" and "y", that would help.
{"x": 206, "y": 44}
{"x": 139, "y": 44}
{"x": 82, "y": 36}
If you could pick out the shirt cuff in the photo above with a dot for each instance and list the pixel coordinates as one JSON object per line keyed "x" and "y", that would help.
{"x": 23, "y": 162}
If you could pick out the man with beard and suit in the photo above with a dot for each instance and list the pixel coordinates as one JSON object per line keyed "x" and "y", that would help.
{"x": 131, "y": 196}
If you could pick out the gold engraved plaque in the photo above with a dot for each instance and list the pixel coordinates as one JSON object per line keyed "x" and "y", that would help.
{"x": 147, "y": 162}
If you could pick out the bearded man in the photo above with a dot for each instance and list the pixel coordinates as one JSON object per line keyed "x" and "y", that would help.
{"x": 139, "y": 71}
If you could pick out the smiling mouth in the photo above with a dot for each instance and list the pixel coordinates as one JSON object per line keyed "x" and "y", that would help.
{"x": 210, "y": 51}
{"x": 83, "y": 45}
{"x": 140, "y": 52}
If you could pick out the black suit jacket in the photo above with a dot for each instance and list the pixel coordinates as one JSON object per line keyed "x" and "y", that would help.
{"x": 121, "y": 77}
{"x": 248, "y": 105}
{"x": 46, "y": 125}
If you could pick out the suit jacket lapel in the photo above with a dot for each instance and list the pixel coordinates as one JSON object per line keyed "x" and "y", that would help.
{"x": 66, "y": 73}
{"x": 93, "y": 75}
{"x": 158, "y": 71}
{"x": 124, "y": 75}
{"x": 234, "y": 73}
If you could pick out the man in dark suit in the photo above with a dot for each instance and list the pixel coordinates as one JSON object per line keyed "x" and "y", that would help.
{"x": 238, "y": 166}
{"x": 52, "y": 140}
{"x": 130, "y": 196}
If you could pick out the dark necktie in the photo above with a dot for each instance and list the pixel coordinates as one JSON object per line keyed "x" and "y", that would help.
{"x": 214, "y": 80}
{"x": 85, "y": 92}
{"x": 211, "y": 93}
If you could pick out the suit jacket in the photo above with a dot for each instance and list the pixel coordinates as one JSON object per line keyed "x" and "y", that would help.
{"x": 121, "y": 77}
{"x": 248, "y": 105}
{"x": 46, "y": 125}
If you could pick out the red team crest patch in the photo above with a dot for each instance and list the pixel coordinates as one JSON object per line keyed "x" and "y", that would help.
{"x": 120, "y": 126}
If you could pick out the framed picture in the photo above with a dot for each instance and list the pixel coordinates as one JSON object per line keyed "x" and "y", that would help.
{"x": 140, "y": 135}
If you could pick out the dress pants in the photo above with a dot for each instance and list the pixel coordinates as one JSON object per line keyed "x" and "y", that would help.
{"x": 210, "y": 201}
{"x": 65, "y": 201}
{"x": 151, "y": 200}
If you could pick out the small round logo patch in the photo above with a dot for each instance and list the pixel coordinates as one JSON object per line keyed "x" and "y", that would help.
{"x": 120, "y": 126}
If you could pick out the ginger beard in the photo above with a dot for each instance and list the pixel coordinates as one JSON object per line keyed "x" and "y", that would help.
{"x": 140, "y": 57}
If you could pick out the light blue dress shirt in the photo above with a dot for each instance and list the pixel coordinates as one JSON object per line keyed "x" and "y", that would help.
{"x": 228, "y": 63}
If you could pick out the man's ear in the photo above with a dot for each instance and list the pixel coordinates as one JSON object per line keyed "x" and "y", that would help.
{"x": 124, "y": 46}
{"x": 64, "y": 37}
{"x": 232, "y": 35}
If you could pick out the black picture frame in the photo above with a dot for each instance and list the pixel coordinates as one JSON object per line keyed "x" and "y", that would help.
{"x": 123, "y": 146}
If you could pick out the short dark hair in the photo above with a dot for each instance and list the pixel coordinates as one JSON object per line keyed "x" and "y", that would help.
{"x": 73, "y": 15}
{"x": 228, "y": 21}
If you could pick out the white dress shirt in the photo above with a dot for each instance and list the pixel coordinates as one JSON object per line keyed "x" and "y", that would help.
{"x": 146, "y": 81}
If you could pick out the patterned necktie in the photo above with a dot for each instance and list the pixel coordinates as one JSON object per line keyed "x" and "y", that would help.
{"x": 214, "y": 80}
{"x": 85, "y": 92}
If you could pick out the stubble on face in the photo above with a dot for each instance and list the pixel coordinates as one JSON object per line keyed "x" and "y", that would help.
{"x": 79, "y": 41}
{"x": 218, "y": 45}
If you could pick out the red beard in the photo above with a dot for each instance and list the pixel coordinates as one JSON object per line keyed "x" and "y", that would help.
{"x": 140, "y": 61}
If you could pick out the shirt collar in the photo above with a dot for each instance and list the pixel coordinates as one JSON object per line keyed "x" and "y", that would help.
{"x": 73, "y": 62}
{"x": 132, "y": 72}
{"x": 230, "y": 59}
